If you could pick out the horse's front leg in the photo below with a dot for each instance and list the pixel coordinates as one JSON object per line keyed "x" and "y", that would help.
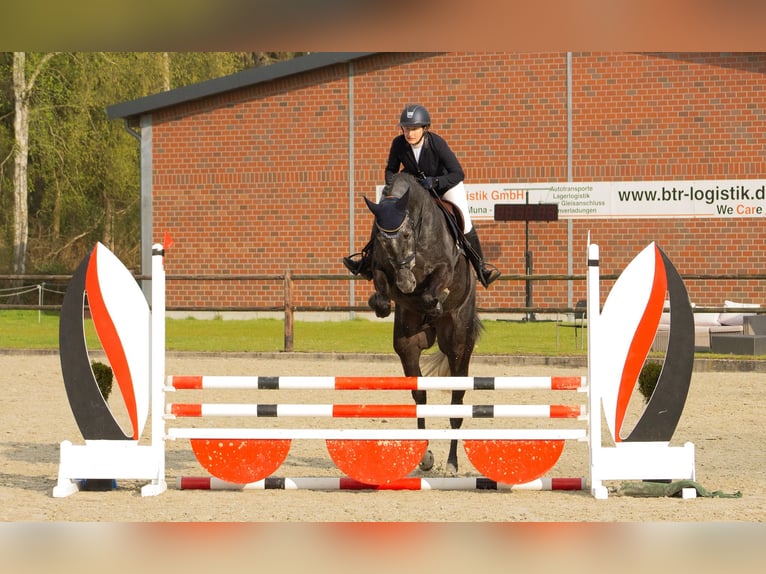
{"x": 437, "y": 290}
{"x": 380, "y": 300}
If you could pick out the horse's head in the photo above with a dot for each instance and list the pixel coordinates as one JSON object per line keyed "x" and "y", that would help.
{"x": 397, "y": 237}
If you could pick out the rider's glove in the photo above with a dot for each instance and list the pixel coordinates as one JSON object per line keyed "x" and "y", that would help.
{"x": 431, "y": 183}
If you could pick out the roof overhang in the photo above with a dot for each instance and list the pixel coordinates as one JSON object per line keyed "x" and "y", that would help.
{"x": 246, "y": 78}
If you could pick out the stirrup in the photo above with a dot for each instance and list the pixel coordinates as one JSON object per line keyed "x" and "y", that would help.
{"x": 360, "y": 267}
{"x": 489, "y": 274}
{"x": 352, "y": 265}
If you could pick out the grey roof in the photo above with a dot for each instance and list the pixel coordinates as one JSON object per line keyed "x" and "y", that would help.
{"x": 242, "y": 79}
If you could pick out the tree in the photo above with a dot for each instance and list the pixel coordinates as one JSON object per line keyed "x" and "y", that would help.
{"x": 22, "y": 89}
{"x": 76, "y": 174}
{"x": 82, "y": 187}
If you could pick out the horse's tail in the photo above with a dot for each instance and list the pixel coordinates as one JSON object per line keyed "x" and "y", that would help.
{"x": 480, "y": 328}
{"x": 435, "y": 365}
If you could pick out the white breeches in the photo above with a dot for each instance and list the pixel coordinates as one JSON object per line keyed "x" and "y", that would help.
{"x": 457, "y": 196}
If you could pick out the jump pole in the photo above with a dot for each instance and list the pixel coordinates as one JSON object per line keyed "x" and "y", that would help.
{"x": 342, "y": 483}
{"x": 185, "y": 382}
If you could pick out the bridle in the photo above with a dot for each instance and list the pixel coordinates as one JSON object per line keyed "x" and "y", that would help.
{"x": 407, "y": 260}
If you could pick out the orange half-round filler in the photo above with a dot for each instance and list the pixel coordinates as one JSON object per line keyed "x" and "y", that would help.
{"x": 376, "y": 461}
{"x": 513, "y": 461}
{"x": 240, "y": 461}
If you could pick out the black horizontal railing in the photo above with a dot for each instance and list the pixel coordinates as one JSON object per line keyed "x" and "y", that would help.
{"x": 288, "y": 279}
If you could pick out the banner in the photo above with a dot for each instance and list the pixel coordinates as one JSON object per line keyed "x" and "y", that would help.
{"x": 627, "y": 199}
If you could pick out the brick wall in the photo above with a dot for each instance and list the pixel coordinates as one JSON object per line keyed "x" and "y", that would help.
{"x": 257, "y": 181}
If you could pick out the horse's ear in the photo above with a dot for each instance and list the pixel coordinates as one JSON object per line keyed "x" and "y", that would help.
{"x": 370, "y": 205}
{"x": 401, "y": 203}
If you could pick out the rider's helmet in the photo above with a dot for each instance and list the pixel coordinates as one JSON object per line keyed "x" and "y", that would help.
{"x": 415, "y": 116}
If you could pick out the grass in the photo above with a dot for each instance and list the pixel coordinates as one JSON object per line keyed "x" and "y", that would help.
{"x": 30, "y": 330}
{"x": 357, "y": 336}
{"x": 23, "y": 330}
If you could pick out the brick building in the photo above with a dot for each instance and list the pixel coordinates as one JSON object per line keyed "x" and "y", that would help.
{"x": 264, "y": 171}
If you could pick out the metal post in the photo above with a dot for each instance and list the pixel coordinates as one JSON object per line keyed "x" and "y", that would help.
{"x": 351, "y": 194}
{"x": 289, "y": 311}
{"x": 528, "y": 266}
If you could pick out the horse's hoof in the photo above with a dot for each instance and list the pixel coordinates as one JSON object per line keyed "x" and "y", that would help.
{"x": 451, "y": 469}
{"x": 427, "y": 462}
{"x": 380, "y": 305}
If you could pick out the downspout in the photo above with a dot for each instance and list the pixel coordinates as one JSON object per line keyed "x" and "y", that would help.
{"x": 147, "y": 190}
{"x": 145, "y": 167}
{"x": 144, "y": 137}
{"x": 570, "y": 233}
{"x": 145, "y": 215}
{"x": 130, "y": 130}
{"x": 351, "y": 284}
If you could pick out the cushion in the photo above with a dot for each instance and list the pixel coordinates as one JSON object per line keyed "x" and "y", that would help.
{"x": 735, "y": 318}
{"x": 706, "y": 319}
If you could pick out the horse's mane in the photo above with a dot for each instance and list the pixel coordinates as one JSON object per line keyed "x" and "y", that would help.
{"x": 420, "y": 202}
{"x": 403, "y": 181}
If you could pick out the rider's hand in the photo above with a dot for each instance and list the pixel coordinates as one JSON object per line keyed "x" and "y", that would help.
{"x": 430, "y": 183}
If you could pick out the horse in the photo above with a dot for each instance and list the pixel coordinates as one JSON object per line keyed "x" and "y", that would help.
{"x": 418, "y": 263}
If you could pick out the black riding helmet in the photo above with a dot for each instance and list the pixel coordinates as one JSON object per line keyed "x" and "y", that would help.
{"x": 414, "y": 116}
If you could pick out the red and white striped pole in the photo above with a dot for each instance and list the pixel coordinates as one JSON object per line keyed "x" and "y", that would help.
{"x": 409, "y": 483}
{"x": 371, "y": 383}
{"x": 373, "y": 410}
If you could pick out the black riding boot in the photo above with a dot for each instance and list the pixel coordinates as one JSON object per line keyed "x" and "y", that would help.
{"x": 486, "y": 275}
{"x": 362, "y": 266}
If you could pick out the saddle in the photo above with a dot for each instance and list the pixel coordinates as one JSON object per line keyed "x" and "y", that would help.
{"x": 456, "y": 223}
{"x": 451, "y": 214}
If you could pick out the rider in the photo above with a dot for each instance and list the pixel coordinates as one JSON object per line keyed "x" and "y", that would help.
{"x": 427, "y": 156}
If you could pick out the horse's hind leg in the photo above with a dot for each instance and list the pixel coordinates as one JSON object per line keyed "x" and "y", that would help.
{"x": 427, "y": 462}
{"x": 458, "y": 347}
{"x": 410, "y": 339}
{"x": 457, "y": 399}
{"x": 459, "y": 368}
